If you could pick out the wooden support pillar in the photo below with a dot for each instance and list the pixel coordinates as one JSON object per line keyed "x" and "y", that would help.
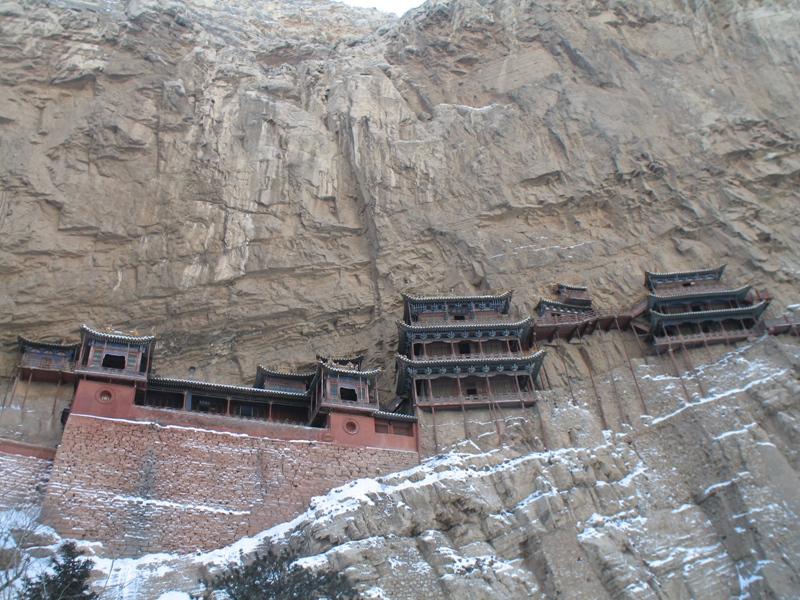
{"x": 639, "y": 342}
{"x": 675, "y": 364}
{"x": 613, "y": 380}
{"x": 25, "y": 398}
{"x": 463, "y": 409}
{"x": 435, "y": 437}
{"x": 55, "y": 399}
{"x": 692, "y": 370}
{"x": 594, "y": 387}
{"x": 492, "y": 410}
{"x": 228, "y": 407}
{"x": 13, "y": 390}
{"x": 566, "y": 372}
{"x": 630, "y": 365}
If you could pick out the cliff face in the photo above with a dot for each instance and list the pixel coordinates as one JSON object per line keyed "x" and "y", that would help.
{"x": 257, "y": 182}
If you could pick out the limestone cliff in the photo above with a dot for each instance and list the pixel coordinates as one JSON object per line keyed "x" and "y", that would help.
{"x": 257, "y": 181}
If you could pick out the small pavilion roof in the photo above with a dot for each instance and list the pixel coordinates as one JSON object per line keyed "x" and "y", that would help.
{"x": 263, "y": 373}
{"x": 115, "y": 337}
{"x": 23, "y": 341}
{"x": 339, "y": 370}
{"x": 353, "y": 359}
{"x": 574, "y": 288}
{"x": 652, "y": 278}
{"x": 390, "y": 416}
{"x": 504, "y": 298}
{"x": 555, "y": 306}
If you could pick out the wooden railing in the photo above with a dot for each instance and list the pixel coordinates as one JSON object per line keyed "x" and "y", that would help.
{"x": 477, "y": 355}
{"x": 47, "y": 363}
{"x": 134, "y": 373}
{"x": 472, "y": 399}
{"x": 500, "y": 319}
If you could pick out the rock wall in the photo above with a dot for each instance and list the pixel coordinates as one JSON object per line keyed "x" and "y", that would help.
{"x": 23, "y": 482}
{"x": 140, "y": 487}
{"x": 257, "y": 182}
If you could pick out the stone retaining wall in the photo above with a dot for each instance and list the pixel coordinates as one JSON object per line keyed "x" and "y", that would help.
{"x": 142, "y": 487}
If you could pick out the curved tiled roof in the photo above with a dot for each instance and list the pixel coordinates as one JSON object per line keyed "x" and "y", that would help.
{"x": 463, "y": 325}
{"x": 565, "y": 307}
{"x": 388, "y": 416}
{"x": 350, "y": 358}
{"x": 577, "y": 288}
{"x": 739, "y": 293}
{"x": 350, "y": 372}
{"x": 755, "y": 311}
{"x": 650, "y": 275}
{"x": 444, "y": 298}
{"x": 261, "y": 369}
{"x": 222, "y": 388}
{"x": 117, "y": 337}
{"x": 49, "y": 345}
{"x": 494, "y": 360}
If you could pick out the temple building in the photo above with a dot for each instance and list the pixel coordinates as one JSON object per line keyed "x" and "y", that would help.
{"x": 687, "y": 309}
{"x": 461, "y": 352}
{"x": 573, "y": 313}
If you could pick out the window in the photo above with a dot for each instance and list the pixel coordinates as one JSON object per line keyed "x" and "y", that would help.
{"x": 472, "y": 391}
{"x": 418, "y": 350}
{"x": 459, "y": 317}
{"x": 381, "y": 427}
{"x": 114, "y": 361}
{"x": 464, "y": 347}
{"x": 348, "y": 394}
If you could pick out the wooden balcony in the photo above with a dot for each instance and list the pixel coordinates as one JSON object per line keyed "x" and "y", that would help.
{"x": 450, "y": 320}
{"x": 511, "y": 400}
{"x": 46, "y": 363}
{"x": 131, "y": 374}
{"x": 567, "y": 326}
{"x": 695, "y": 340}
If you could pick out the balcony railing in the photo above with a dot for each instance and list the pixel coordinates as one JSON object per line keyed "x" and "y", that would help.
{"x": 476, "y": 355}
{"x": 698, "y": 339}
{"x": 467, "y": 320}
{"x": 98, "y": 370}
{"x": 46, "y": 363}
{"x": 476, "y": 399}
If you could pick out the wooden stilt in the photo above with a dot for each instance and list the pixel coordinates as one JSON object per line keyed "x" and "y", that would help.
{"x": 594, "y": 387}
{"x": 566, "y": 372}
{"x": 683, "y": 383}
{"x": 435, "y": 437}
{"x": 639, "y": 342}
{"x": 692, "y": 369}
{"x": 613, "y": 380}
{"x": 493, "y": 409}
{"x": 25, "y": 398}
{"x": 13, "y": 391}
{"x": 630, "y": 365}
{"x": 463, "y": 409}
{"x": 55, "y": 399}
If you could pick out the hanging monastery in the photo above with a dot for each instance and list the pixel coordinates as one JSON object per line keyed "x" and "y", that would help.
{"x": 148, "y": 463}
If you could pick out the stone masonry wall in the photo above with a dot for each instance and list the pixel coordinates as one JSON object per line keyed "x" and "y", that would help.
{"x": 142, "y": 487}
{"x": 22, "y": 479}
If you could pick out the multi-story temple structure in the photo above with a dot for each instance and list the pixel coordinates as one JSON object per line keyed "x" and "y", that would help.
{"x": 686, "y": 309}
{"x": 112, "y": 376}
{"x": 572, "y": 314}
{"x": 460, "y": 352}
